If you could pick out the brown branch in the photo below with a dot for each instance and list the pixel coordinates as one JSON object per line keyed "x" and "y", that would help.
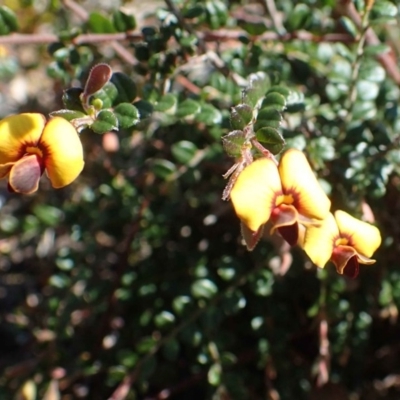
{"x": 227, "y": 35}
{"x": 76, "y": 9}
{"x": 44, "y": 38}
{"x": 276, "y": 19}
{"x": 209, "y": 36}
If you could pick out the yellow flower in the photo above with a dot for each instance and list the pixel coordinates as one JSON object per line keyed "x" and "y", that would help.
{"x": 29, "y": 145}
{"x": 285, "y": 195}
{"x": 344, "y": 240}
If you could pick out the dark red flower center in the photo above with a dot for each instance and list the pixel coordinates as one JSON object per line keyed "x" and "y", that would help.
{"x": 352, "y": 268}
{"x": 290, "y": 233}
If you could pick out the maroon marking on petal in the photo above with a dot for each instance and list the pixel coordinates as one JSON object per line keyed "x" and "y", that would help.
{"x": 290, "y": 233}
{"x": 25, "y": 174}
{"x": 352, "y": 268}
{"x": 251, "y": 238}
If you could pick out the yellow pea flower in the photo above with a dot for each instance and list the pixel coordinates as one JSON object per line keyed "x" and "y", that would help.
{"x": 344, "y": 240}
{"x": 286, "y": 195}
{"x": 29, "y": 145}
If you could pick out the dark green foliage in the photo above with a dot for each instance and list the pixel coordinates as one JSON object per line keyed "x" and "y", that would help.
{"x": 8, "y": 21}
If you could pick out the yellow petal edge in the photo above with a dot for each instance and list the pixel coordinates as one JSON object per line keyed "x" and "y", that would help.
{"x": 319, "y": 241}
{"x": 62, "y": 151}
{"x": 298, "y": 177}
{"x": 254, "y": 192}
{"x": 17, "y": 132}
{"x": 365, "y": 238}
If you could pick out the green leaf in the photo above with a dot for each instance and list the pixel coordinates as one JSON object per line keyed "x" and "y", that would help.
{"x": 107, "y": 95}
{"x": 372, "y": 72}
{"x": 194, "y": 11}
{"x": 364, "y": 110}
{"x": 217, "y": 13}
{"x": 149, "y": 32}
{"x": 241, "y": 116}
{"x": 184, "y": 151}
{"x": 204, "y": 288}
{"x": 70, "y": 34}
{"x": 69, "y": 115}
{"x": 127, "y": 115}
{"x": 98, "y": 23}
{"x": 233, "y": 143}
{"x": 74, "y": 56}
{"x": 62, "y": 54}
{"x": 105, "y": 121}
{"x": 123, "y": 22}
{"x": 349, "y": 26}
{"x": 214, "y": 374}
{"x": 188, "y": 108}
{"x": 321, "y": 149}
{"x": 56, "y": 70}
{"x": 258, "y": 86}
{"x": 253, "y": 28}
{"x": 142, "y": 51}
{"x": 48, "y": 215}
{"x": 376, "y": 49}
{"x": 144, "y": 107}
{"x": 164, "y": 318}
{"x": 167, "y": 103}
{"x": 295, "y": 102}
{"x": 8, "y": 20}
{"x": 209, "y": 115}
{"x": 268, "y": 117}
{"x": 146, "y": 344}
{"x": 163, "y": 168}
{"x": 125, "y": 86}
{"x": 274, "y": 100}
{"x": 72, "y": 99}
{"x": 283, "y": 90}
{"x": 189, "y": 41}
{"x": 226, "y": 273}
{"x": 384, "y": 9}
{"x": 299, "y": 17}
{"x": 367, "y": 90}
{"x": 271, "y": 139}
{"x": 180, "y": 303}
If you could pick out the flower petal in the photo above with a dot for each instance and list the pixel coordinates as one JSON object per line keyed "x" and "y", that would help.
{"x": 352, "y": 268}
{"x": 299, "y": 179}
{"x": 17, "y": 132}
{"x": 364, "y": 237}
{"x": 5, "y": 169}
{"x": 319, "y": 241}
{"x": 254, "y": 191}
{"x": 62, "y": 152}
{"x": 251, "y": 238}
{"x": 341, "y": 255}
{"x": 25, "y": 174}
{"x": 284, "y": 219}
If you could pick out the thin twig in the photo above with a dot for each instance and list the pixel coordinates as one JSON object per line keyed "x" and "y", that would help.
{"x": 208, "y": 36}
{"x": 76, "y": 9}
{"x": 276, "y": 20}
{"x": 44, "y": 38}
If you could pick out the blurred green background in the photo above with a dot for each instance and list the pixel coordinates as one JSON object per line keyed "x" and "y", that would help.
{"x": 133, "y": 282}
